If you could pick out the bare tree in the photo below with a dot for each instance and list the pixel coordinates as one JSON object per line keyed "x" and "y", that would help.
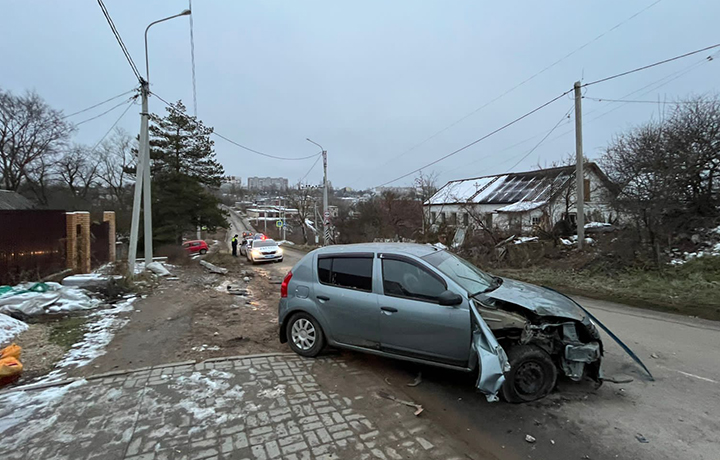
{"x": 302, "y": 198}
{"x": 117, "y": 164}
{"x": 78, "y": 169}
{"x": 29, "y": 131}
{"x": 426, "y": 186}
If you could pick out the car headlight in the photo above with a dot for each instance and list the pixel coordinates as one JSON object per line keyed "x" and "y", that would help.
{"x": 279, "y": 251}
{"x": 256, "y": 252}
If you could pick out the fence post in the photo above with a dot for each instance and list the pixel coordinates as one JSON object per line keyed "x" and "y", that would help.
{"x": 109, "y": 217}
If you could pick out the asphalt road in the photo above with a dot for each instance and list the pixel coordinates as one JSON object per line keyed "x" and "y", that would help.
{"x": 673, "y": 417}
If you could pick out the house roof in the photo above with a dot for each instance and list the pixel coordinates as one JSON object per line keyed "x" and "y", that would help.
{"x": 10, "y": 200}
{"x": 530, "y": 186}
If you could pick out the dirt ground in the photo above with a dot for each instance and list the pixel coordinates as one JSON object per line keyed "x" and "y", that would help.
{"x": 195, "y": 318}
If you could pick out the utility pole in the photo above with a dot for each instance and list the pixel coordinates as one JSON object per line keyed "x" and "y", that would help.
{"x": 147, "y": 203}
{"x": 139, "y": 176}
{"x": 326, "y": 212}
{"x": 579, "y": 174}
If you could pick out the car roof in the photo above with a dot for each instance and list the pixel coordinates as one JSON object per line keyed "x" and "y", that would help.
{"x": 193, "y": 241}
{"x": 418, "y": 250}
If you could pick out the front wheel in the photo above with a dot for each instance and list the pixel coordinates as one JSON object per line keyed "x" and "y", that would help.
{"x": 532, "y": 374}
{"x": 304, "y": 335}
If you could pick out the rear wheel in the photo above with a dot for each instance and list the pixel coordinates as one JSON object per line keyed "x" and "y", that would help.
{"x": 304, "y": 335}
{"x": 203, "y": 252}
{"x": 532, "y": 374}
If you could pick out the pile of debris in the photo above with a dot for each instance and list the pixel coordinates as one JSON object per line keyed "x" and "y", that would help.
{"x": 703, "y": 243}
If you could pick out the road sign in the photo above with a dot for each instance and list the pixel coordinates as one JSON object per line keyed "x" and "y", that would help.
{"x": 279, "y": 223}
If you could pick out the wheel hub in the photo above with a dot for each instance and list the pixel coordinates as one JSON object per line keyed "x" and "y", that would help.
{"x": 529, "y": 378}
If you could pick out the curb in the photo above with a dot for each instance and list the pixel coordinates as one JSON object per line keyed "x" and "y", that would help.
{"x": 67, "y": 381}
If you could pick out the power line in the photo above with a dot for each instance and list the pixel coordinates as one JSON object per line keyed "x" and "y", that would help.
{"x": 655, "y": 64}
{"x": 311, "y": 167}
{"x": 527, "y": 80}
{"x": 507, "y": 125}
{"x": 98, "y": 104}
{"x": 111, "y": 127}
{"x": 192, "y": 59}
{"x": 629, "y": 101}
{"x": 232, "y": 141}
{"x": 107, "y": 111}
{"x": 120, "y": 41}
{"x": 543, "y": 139}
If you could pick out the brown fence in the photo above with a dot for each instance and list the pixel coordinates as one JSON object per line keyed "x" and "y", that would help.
{"x": 99, "y": 243}
{"x": 32, "y": 244}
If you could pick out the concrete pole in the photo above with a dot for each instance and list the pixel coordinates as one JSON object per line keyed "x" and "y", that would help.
{"x": 579, "y": 174}
{"x": 139, "y": 175}
{"x": 147, "y": 200}
{"x": 326, "y": 217}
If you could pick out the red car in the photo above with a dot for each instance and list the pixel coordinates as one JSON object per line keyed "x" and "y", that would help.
{"x": 195, "y": 247}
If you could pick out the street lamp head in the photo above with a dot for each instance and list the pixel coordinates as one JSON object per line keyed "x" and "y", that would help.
{"x": 185, "y": 13}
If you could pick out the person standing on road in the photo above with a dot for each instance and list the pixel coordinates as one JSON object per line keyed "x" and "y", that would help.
{"x": 234, "y": 243}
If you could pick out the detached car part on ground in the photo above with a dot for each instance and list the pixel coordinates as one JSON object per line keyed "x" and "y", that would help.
{"x": 424, "y": 304}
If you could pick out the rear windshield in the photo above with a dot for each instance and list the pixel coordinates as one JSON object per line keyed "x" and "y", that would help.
{"x": 264, "y": 243}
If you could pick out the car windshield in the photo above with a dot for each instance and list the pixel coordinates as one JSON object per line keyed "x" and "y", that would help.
{"x": 264, "y": 243}
{"x": 461, "y": 271}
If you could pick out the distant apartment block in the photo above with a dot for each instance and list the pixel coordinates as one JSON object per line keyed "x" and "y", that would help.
{"x": 267, "y": 183}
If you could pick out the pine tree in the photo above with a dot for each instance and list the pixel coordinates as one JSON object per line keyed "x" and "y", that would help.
{"x": 181, "y": 144}
{"x": 184, "y": 169}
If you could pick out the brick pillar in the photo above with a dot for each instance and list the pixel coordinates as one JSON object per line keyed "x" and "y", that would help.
{"x": 109, "y": 217}
{"x": 71, "y": 240}
{"x": 83, "y": 220}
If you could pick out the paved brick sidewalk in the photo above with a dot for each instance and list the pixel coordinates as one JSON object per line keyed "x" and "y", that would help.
{"x": 256, "y": 408}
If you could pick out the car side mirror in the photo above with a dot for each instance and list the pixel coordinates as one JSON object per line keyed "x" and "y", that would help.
{"x": 450, "y": 299}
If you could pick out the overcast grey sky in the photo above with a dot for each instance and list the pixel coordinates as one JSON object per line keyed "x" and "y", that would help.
{"x": 368, "y": 80}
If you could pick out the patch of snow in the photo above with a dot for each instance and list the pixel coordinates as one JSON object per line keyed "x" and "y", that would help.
{"x": 98, "y": 333}
{"x": 440, "y": 245}
{"x": 715, "y": 230}
{"x": 18, "y": 407}
{"x": 522, "y": 206}
{"x": 526, "y": 239}
{"x": 9, "y": 328}
{"x": 597, "y": 225}
{"x": 566, "y": 242}
{"x": 589, "y": 241}
{"x": 158, "y": 269}
{"x": 205, "y": 347}
{"x": 285, "y": 243}
{"x": 197, "y": 388}
{"x": 276, "y": 392}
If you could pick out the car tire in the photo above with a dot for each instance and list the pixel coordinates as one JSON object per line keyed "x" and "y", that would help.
{"x": 532, "y": 374}
{"x": 203, "y": 252}
{"x": 311, "y": 342}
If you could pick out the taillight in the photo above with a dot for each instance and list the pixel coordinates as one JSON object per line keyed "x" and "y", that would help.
{"x": 284, "y": 285}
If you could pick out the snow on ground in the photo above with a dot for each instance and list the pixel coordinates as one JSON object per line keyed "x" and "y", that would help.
{"x": 18, "y": 407}
{"x": 198, "y": 388}
{"x": 205, "y": 347}
{"x": 99, "y": 331}
{"x": 276, "y": 392}
{"x": 9, "y": 328}
{"x": 526, "y": 239}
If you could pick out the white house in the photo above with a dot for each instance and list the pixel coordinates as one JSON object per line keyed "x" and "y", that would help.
{"x": 521, "y": 202}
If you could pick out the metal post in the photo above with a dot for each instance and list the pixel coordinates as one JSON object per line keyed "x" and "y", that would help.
{"x": 265, "y": 220}
{"x": 147, "y": 203}
{"x": 579, "y": 174}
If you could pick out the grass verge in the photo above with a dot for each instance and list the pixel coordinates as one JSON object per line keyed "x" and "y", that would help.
{"x": 691, "y": 289}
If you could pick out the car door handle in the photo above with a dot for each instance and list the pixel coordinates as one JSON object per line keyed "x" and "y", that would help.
{"x": 323, "y": 297}
{"x": 389, "y": 309}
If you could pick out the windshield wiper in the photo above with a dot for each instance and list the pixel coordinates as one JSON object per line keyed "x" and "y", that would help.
{"x": 497, "y": 282}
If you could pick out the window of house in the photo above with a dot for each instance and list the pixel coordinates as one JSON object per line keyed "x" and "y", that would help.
{"x": 346, "y": 272}
{"x": 404, "y": 279}
{"x": 586, "y": 186}
{"x": 454, "y": 218}
{"x": 466, "y": 219}
{"x": 536, "y": 221}
{"x": 433, "y": 217}
{"x": 442, "y": 218}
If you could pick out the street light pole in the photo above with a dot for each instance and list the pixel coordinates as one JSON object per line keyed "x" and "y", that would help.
{"x": 142, "y": 178}
{"x": 326, "y": 213}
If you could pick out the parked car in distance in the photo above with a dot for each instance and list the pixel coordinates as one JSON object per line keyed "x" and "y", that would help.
{"x": 265, "y": 250}
{"x": 195, "y": 247}
{"x": 424, "y": 304}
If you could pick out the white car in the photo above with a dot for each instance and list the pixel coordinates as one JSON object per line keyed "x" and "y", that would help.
{"x": 264, "y": 251}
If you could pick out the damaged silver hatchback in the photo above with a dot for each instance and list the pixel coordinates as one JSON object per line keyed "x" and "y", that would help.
{"x": 422, "y": 304}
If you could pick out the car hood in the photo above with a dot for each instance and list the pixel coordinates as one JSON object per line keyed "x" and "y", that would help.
{"x": 539, "y": 300}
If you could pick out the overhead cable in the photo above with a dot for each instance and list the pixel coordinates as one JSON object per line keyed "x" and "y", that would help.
{"x": 120, "y": 41}
{"x": 215, "y": 133}
{"x": 107, "y": 111}
{"x": 98, "y": 104}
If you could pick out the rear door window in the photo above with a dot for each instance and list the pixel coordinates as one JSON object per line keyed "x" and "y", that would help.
{"x": 347, "y": 272}
{"x": 405, "y": 279}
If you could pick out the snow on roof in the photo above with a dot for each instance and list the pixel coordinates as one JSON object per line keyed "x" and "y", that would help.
{"x": 531, "y": 186}
{"x": 522, "y": 206}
